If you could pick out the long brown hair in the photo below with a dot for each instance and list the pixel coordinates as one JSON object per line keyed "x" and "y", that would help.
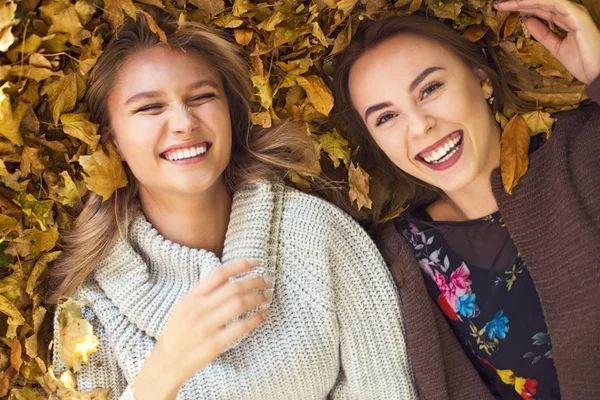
{"x": 255, "y": 154}
{"x": 392, "y": 189}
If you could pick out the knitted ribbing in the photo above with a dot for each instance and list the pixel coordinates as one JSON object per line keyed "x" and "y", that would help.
{"x": 334, "y": 327}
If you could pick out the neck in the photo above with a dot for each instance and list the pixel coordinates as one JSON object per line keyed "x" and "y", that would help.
{"x": 198, "y": 221}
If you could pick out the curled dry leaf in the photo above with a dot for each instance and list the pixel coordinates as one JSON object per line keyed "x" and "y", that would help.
{"x": 358, "y": 180}
{"x": 318, "y": 93}
{"x": 514, "y": 157}
{"x": 105, "y": 173}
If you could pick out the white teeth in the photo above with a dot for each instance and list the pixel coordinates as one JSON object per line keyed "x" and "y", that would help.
{"x": 444, "y": 152}
{"x": 182, "y": 154}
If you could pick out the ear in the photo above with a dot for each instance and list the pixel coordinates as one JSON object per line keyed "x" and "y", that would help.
{"x": 486, "y": 84}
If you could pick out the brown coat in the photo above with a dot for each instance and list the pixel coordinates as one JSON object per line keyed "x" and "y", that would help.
{"x": 553, "y": 216}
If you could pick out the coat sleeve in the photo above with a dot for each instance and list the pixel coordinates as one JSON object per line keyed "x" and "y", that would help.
{"x": 373, "y": 351}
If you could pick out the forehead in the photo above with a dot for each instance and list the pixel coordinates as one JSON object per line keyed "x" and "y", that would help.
{"x": 397, "y": 61}
{"x": 153, "y": 69}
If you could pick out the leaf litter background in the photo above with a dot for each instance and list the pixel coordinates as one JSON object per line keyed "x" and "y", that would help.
{"x": 50, "y": 155}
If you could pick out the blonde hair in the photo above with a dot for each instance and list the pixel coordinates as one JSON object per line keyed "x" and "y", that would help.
{"x": 256, "y": 153}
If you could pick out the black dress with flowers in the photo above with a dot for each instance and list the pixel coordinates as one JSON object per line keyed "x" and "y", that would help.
{"x": 478, "y": 279}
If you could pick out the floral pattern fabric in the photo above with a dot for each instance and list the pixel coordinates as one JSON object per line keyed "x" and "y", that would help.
{"x": 494, "y": 311}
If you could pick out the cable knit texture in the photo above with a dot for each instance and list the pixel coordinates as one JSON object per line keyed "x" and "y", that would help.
{"x": 334, "y": 328}
{"x": 553, "y": 218}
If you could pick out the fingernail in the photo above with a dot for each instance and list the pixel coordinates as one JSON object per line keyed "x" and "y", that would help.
{"x": 254, "y": 263}
{"x": 269, "y": 295}
{"x": 268, "y": 280}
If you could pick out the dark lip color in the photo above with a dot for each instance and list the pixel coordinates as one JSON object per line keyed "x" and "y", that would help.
{"x": 186, "y": 145}
{"x": 449, "y": 162}
{"x": 436, "y": 144}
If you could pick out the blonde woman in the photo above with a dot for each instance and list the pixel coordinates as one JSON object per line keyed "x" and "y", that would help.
{"x": 206, "y": 204}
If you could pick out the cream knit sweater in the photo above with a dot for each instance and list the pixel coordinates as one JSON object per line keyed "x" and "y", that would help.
{"x": 334, "y": 328}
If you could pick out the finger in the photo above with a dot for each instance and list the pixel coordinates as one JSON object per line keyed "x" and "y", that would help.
{"x": 231, "y": 309}
{"x": 222, "y": 274}
{"x": 227, "y": 336}
{"x": 543, "y": 34}
{"x": 569, "y": 16}
{"x": 236, "y": 288}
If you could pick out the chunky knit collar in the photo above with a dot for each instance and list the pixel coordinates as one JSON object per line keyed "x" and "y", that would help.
{"x": 160, "y": 272}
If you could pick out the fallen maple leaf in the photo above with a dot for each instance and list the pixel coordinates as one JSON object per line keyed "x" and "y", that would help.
{"x": 514, "y": 157}
{"x": 336, "y": 147}
{"x": 318, "y": 93}
{"x": 358, "y": 179}
{"x": 80, "y": 127}
{"x": 105, "y": 173}
{"x": 64, "y": 93}
{"x": 539, "y": 122}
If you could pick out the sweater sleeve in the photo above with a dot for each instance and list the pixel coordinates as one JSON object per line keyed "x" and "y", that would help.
{"x": 103, "y": 372}
{"x": 372, "y": 347}
{"x": 593, "y": 90}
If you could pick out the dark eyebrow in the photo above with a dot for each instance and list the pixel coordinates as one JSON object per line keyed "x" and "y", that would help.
{"x": 422, "y": 76}
{"x": 376, "y": 107}
{"x": 195, "y": 85}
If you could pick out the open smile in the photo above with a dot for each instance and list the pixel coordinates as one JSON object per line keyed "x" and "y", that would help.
{"x": 187, "y": 154}
{"x": 444, "y": 153}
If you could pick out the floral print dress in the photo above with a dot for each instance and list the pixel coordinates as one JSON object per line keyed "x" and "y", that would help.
{"x": 477, "y": 278}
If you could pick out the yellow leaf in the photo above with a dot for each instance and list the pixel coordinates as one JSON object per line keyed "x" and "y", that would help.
{"x": 342, "y": 40}
{"x": 105, "y": 173}
{"x": 15, "y": 355}
{"x": 7, "y": 224}
{"x": 539, "y": 122}
{"x": 40, "y": 267}
{"x": 210, "y": 7}
{"x": 336, "y": 147}
{"x": 358, "y": 179}
{"x": 70, "y": 192}
{"x": 78, "y": 126}
{"x": 10, "y": 119}
{"x": 346, "y": 6}
{"x": 262, "y": 118}
{"x": 30, "y": 45}
{"x": 154, "y": 26}
{"x": 28, "y": 71}
{"x": 243, "y": 36}
{"x": 45, "y": 241}
{"x": 64, "y": 93}
{"x": 318, "y": 93}
{"x": 535, "y": 53}
{"x": 560, "y": 98}
{"x": 265, "y": 92}
{"x": 7, "y": 308}
{"x": 511, "y": 25}
{"x": 228, "y": 21}
{"x": 241, "y": 7}
{"x": 38, "y": 60}
{"x": 31, "y": 161}
{"x": 447, "y": 9}
{"x": 114, "y": 11}
{"x": 77, "y": 340}
{"x": 270, "y": 23}
{"x": 514, "y": 157}
{"x": 63, "y": 17}
{"x": 318, "y": 33}
{"x": 85, "y": 11}
{"x": 8, "y": 9}
{"x": 31, "y": 346}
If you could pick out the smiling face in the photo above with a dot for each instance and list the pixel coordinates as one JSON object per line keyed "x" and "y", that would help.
{"x": 169, "y": 118}
{"x": 427, "y": 111}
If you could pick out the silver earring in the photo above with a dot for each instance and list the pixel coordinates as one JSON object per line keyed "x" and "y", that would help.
{"x": 491, "y": 100}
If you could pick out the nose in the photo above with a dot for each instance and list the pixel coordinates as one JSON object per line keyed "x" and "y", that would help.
{"x": 421, "y": 122}
{"x": 182, "y": 120}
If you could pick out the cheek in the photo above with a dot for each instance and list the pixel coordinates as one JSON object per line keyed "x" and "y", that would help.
{"x": 394, "y": 145}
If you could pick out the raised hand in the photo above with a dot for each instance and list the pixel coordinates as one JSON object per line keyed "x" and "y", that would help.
{"x": 196, "y": 332}
{"x": 579, "y": 51}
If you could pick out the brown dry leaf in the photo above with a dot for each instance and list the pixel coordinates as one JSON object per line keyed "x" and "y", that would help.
{"x": 243, "y": 36}
{"x": 63, "y": 17}
{"x": 514, "y": 156}
{"x": 7, "y": 224}
{"x": 475, "y": 32}
{"x": 115, "y": 11}
{"x": 15, "y": 355}
{"x": 70, "y": 191}
{"x": 342, "y": 40}
{"x": 31, "y": 346}
{"x": 212, "y": 8}
{"x": 318, "y": 93}
{"x": 29, "y": 45}
{"x": 241, "y": 7}
{"x": 77, "y": 340}
{"x": 511, "y": 24}
{"x": 539, "y": 122}
{"x": 346, "y": 6}
{"x": 80, "y": 127}
{"x": 105, "y": 173}
{"x": 154, "y": 26}
{"x": 63, "y": 94}
{"x": 228, "y": 21}
{"x": 39, "y": 268}
{"x": 270, "y": 23}
{"x": 535, "y": 53}
{"x": 8, "y": 308}
{"x": 445, "y": 9}
{"x": 31, "y": 161}
{"x": 358, "y": 179}
{"x": 336, "y": 147}
{"x": 262, "y": 118}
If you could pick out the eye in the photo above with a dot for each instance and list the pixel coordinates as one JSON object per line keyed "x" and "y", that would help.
{"x": 429, "y": 89}
{"x": 149, "y": 107}
{"x": 202, "y": 98}
{"x": 384, "y": 118}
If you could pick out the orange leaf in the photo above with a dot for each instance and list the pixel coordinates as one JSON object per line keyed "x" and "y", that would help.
{"x": 358, "y": 179}
{"x": 514, "y": 157}
{"x": 15, "y": 355}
